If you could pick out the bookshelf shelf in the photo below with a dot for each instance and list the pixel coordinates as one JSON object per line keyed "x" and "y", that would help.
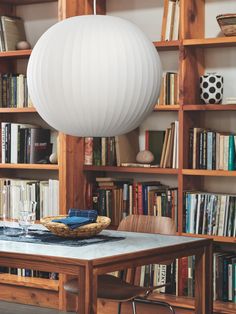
{"x": 18, "y": 110}
{"x": 167, "y": 108}
{"x": 221, "y": 107}
{"x": 167, "y": 45}
{"x": 30, "y": 282}
{"x": 213, "y": 173}
{"x": 16, "y": 54}
{"x": 211, "y": 42}
{"x": 188, "y": 303}
{"x": 214, "y": 238}
{"x": 151, "y": 170}
{"x": 30, "y": 166}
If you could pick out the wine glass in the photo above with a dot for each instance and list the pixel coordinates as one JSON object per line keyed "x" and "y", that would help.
{"x": 27, "y": 216}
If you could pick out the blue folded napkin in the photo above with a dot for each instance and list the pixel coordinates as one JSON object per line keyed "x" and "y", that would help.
{"x": 78, "y": 217}
{"x": 88, "y": 213}
{"x": 74, "y": 222}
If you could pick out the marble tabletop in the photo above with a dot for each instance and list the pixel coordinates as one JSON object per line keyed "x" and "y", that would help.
{"x": 132, "y": 243}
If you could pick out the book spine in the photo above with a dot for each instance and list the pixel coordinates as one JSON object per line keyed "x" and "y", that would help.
{"x": 231, "y": 157}
{"x": 88, "y": 151}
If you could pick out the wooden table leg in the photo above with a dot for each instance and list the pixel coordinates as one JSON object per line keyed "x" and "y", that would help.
{"x": 87, "y": 299}
{"x": 203, "y": 281}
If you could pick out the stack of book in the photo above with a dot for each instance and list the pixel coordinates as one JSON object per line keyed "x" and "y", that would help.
{"x": 164, "y": 145}
{"x": 44, "y": 192}
{"x": 211, "y": 150}
{"x": 224, "y": 273}
{"x": 118, "y": 197}
{"x": 171, "y": 20}
{"x": 169, "y": 94}
{"x": 14, "y": 91}
{"x": 12, "y": 31}
{"x": 210, "y": 213}
{"x": 25, "y": 143}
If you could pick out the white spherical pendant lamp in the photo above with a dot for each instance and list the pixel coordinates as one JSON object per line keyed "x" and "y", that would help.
{"x": 94, "y": 75}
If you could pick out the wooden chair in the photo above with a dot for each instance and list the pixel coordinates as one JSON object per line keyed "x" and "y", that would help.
{"x": 118, "y": 290}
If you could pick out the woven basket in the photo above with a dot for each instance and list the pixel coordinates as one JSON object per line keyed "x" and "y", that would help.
{"x": 227, "y": 24}
{"x": 85, "y": 231}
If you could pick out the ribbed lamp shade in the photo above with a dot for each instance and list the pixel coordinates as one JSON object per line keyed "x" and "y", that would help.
{"x": 94, "y": 75}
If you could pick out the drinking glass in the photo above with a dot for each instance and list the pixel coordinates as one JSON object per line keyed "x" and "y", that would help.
{"x": 27, "y": 216}
{"x": 10, "y": 205}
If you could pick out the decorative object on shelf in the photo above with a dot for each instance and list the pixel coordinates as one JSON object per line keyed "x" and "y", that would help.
{"x": 53, "y": 158}
{"x": 23, "y": 45}
{"x": 211, "y": 88}
{"x": 227, "y": 23}
{"x": 85, "y": 231}
{"x": 145, "y": 156}
{"x": 84, "y": 91}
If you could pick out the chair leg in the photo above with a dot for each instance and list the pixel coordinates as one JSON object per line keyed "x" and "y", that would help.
{"x": 134, "y": 306}
{"x": 119, "y": 308}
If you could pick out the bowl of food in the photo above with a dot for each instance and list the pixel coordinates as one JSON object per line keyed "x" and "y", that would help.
{"x": 227, "y": 23}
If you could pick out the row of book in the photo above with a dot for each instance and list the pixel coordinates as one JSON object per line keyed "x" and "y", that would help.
{"x": 211, "y": 150}
{"x": 111, "y": 151}
{"x": 169, "y": 94}
{"x": 180, "y": 277}
{"x": 158, "y": 275}
{"x": 12, "y": 31}
{"x": 14, "y": 91}
{"x": 164, "y": 145}
{"x": 224, "y": 276}
{"x": 25, "y": 143}
{"x": 211, "y": 214}
{"x": 44, "y": 192}
{"x": 171, "y": 20}
{"x": 118, "y": 197}
{"x": 22, "y": 272}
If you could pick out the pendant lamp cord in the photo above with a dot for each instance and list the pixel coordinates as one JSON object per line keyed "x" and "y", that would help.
{"x": 94, "y": 7}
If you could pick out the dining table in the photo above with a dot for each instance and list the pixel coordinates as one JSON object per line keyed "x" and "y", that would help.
{"x": 113, "y": 251}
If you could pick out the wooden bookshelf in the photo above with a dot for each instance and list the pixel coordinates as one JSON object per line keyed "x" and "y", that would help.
{"x": 39, "y": 291}
{"x": 73, "y": 175}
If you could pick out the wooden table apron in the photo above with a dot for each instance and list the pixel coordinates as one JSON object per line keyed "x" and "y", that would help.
{"x": 88, "y": 270}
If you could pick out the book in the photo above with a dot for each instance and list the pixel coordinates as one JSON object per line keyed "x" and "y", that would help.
{"x": 88, "y": 151}
{"x": 39, "y": 145}
{"x": 13, "y": 31}
{"x": 127, "y": 147}
{"x": 154, "y": 143}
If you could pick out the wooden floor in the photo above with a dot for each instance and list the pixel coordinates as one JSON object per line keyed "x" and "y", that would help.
{"x": 15, "y": 308}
